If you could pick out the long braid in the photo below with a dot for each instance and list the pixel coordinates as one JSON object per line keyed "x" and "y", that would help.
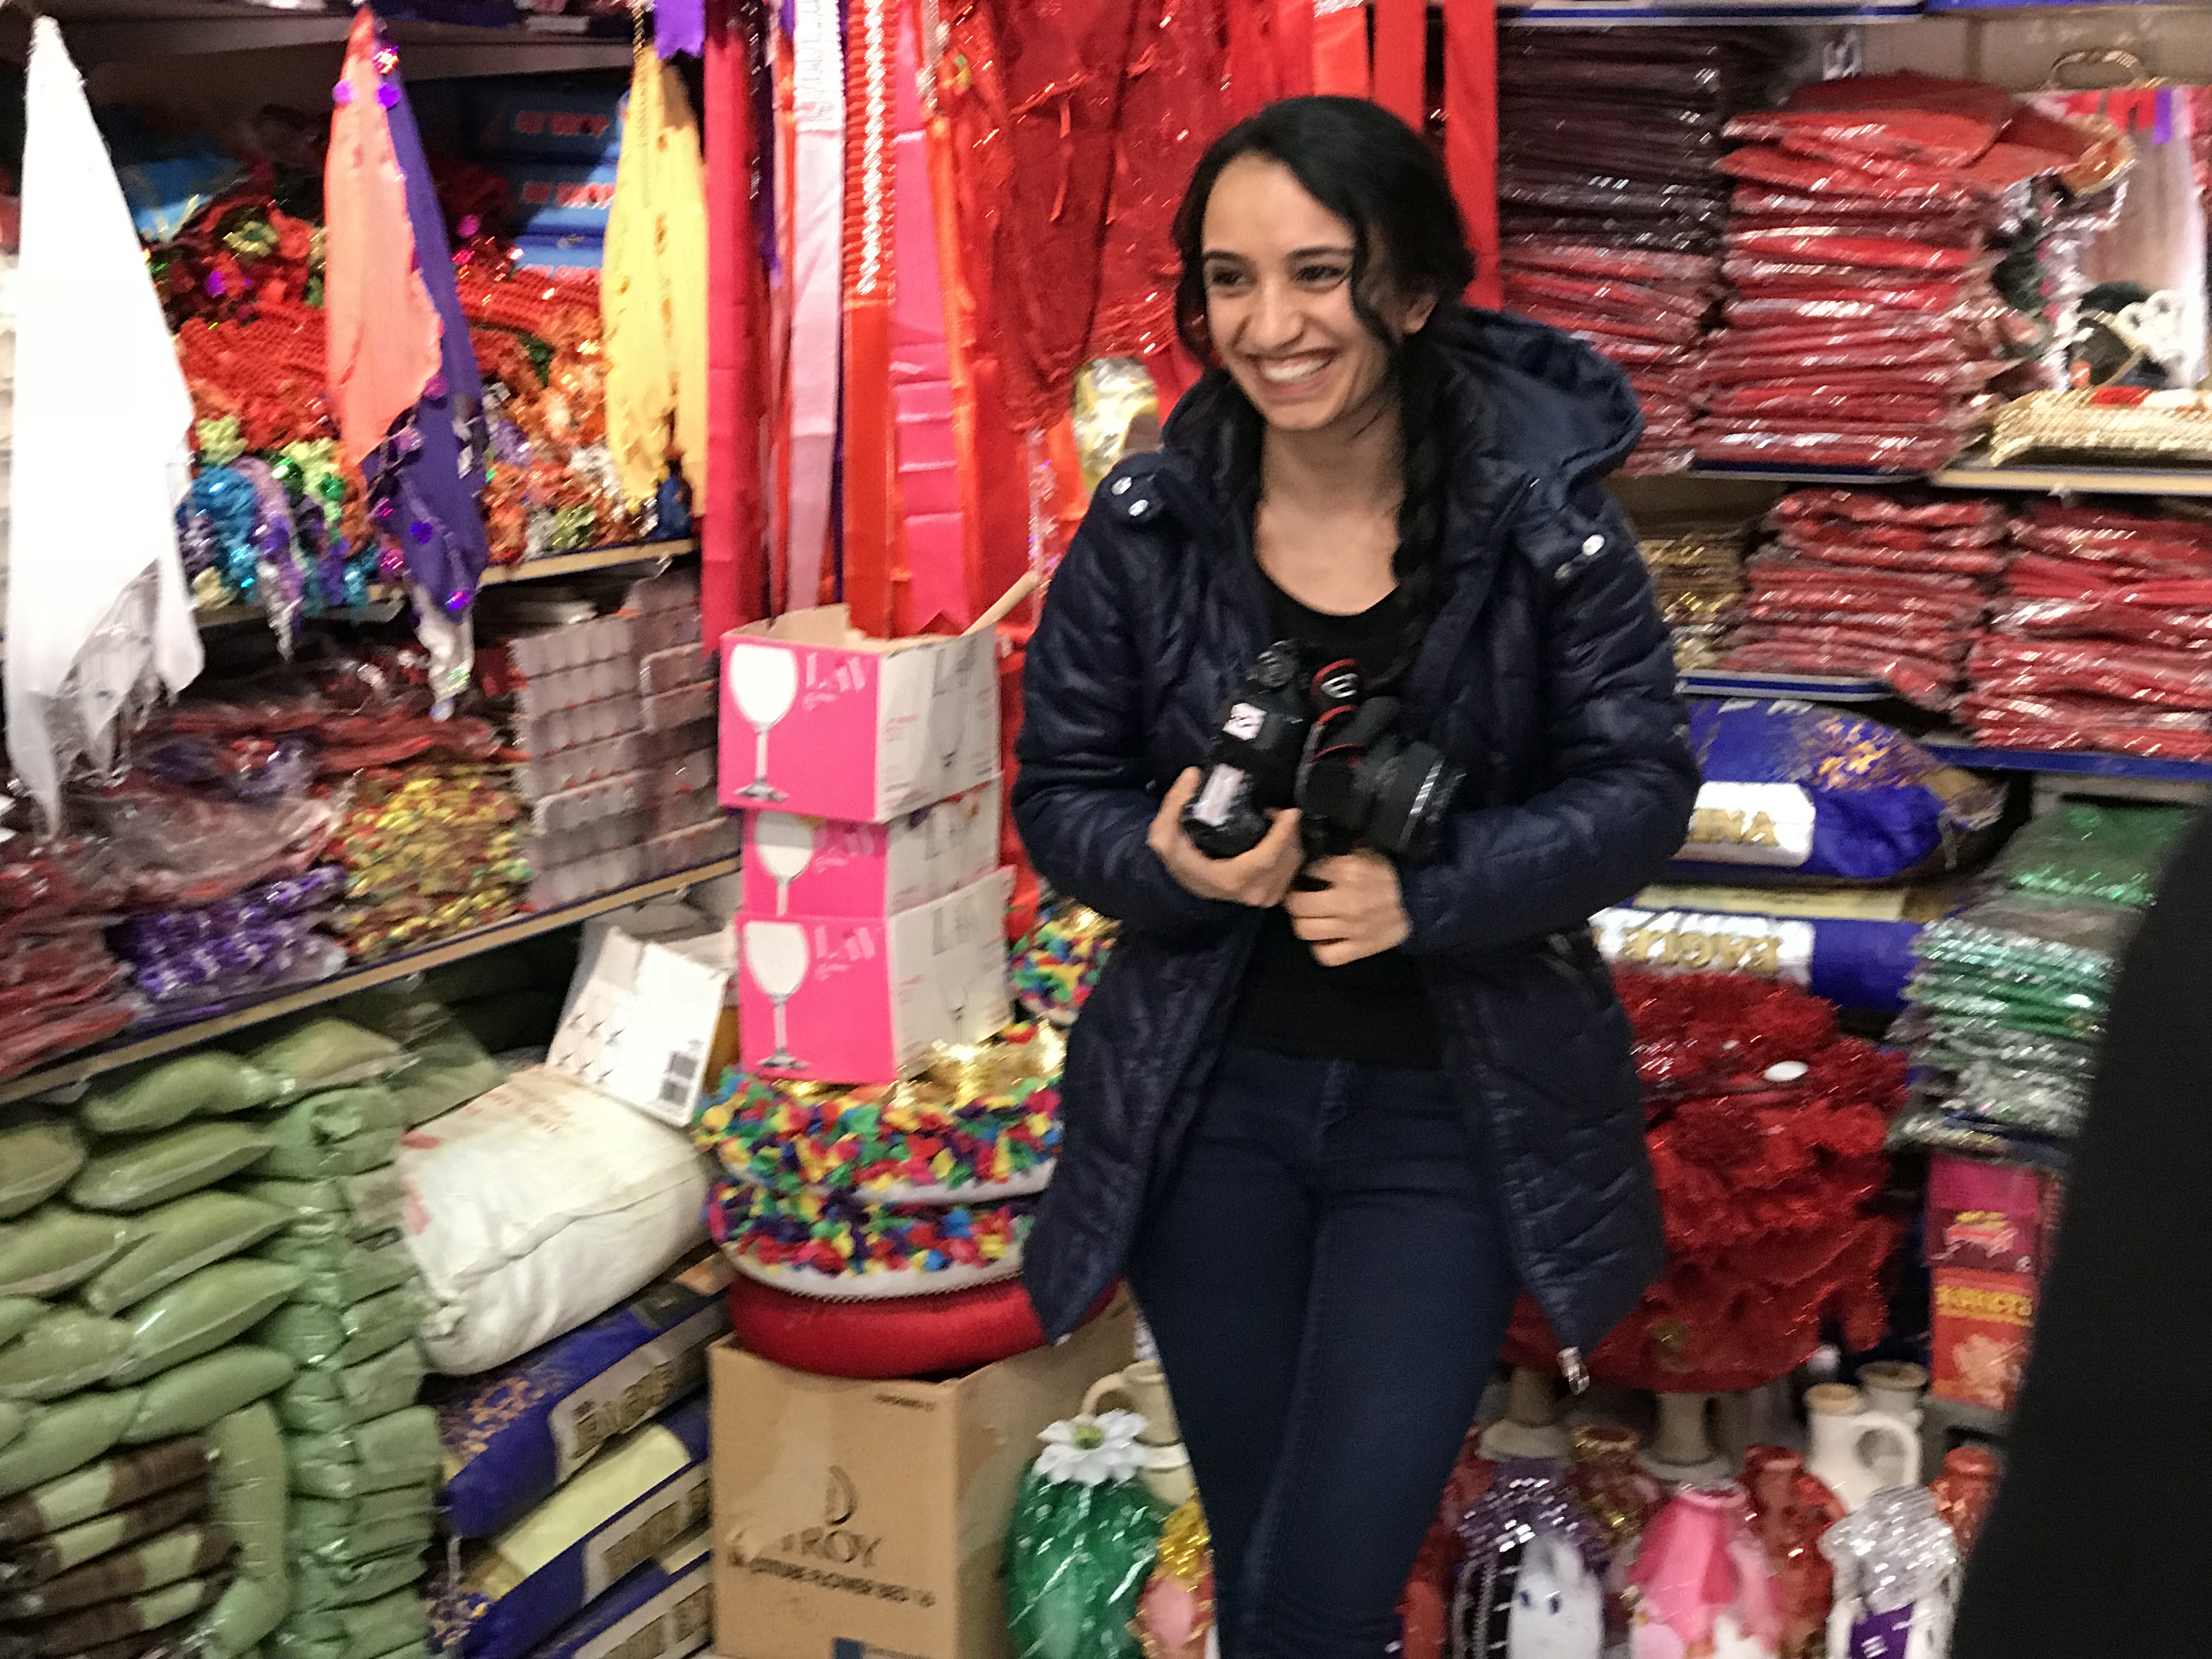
{"x": 1421, "y": 387}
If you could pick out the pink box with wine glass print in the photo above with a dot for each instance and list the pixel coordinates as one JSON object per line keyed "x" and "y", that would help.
{"x": 819, "y": 719}
{"x": 796, "y": 864}
{"x": 862, "y": 999}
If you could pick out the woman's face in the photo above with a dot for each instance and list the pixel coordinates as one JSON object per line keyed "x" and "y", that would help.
{"x": 1279, "y": 301}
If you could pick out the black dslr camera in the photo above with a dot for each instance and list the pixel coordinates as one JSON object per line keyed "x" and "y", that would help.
{"x": 1299, "y": 733}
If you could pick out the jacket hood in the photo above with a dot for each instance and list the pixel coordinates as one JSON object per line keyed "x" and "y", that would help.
{"x": 1522, "y": 393}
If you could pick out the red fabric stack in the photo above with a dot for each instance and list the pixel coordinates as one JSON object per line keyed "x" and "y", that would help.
{"x": 1765, "y": 1134}
{"x": 1611, "y": 205}
{"x": 1884, "y": 584}
{"x": 2103, "y": 638}
{"x": 1862, "y": 327}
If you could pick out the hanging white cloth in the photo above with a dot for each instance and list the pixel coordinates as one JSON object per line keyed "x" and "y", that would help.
{"x": 97, "y": 605}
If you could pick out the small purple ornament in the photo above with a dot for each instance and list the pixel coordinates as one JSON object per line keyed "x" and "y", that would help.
{"x": 387, "y": 96}
{"x": 342, "y": 94}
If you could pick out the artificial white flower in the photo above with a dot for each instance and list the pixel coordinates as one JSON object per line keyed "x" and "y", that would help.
{"x": 1093, "y": 1450}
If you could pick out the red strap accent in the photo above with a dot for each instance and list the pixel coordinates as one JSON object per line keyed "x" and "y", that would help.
{"x": 733, "y": 575}
{"x": 1401, "y": 59}
{"x": 1340, "y": 52}
{"x": 1471, "y": 134}
{"x": 1294, "y": 48}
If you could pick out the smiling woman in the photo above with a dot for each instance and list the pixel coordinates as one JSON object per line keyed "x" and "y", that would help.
{"x": 1331, "y": 1108}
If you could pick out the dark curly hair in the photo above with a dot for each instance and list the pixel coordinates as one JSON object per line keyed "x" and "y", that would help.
{"x": 1379, "y": 176}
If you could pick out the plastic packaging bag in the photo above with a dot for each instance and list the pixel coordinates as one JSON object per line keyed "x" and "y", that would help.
{"x": 323, "y": 1336}
{"x": 201, "y": 1313}
{"x": 57, "y": 1553}
{"x": 53, "y": 1249}
{"x": 327, "y": 1400}
{"x": 67, "y": 1350}
{"x": 178, "y": 1239}
{"x": 37, "y": 1157}
{"x": 1081, "y": 1543}
{"x": 204, "y": 1083}
{"x": 2111, "y": 852}
{"x": 398, "y": 1451}
{"x": 326, "y": 1053}
{"x": 63, "y": 1436}
{"x": 168, "y": 1166}
{"x": 190, "y": 1397}
{"x": 181, "y": 1553}
{"x": 353, "y": 1273}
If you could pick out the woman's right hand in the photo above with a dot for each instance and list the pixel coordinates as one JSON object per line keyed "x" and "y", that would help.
{"x": 1259, "y": 877}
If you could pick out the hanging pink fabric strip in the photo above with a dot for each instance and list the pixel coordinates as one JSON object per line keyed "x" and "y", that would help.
{"x": 1339, "y": 47}
{"x": 1401, "y": 59}
{"x": 935, "y": 576}
{"x": 817, "y": 224}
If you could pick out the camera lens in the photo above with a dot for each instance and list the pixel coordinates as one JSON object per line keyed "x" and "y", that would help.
{"x": 1411, "y": 788}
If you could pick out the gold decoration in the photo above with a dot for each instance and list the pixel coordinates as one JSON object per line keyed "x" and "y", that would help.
{"x": 2171, "y": 427}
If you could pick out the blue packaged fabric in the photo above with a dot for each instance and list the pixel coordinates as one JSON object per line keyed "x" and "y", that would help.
{"x": 664, "y": 1610}
{"x": 557, "y": 198}
{"x": 547, "y": 118}
{"x": 1852, "y": 962}
{"x": 512, "y": 1436}
{"x": 561, "y": 253}
{"x": 634, "y": 1503}
{"x": 1796, "y": 793}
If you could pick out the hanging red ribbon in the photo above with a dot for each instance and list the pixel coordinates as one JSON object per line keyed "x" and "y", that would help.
{"x": 1471, "y": 134}
{"x": 1401, "y": 59}
{"x": 732, "y": 573}
{"x": 1339, "y": 47}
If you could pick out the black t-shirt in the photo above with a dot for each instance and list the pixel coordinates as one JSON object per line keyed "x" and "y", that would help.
{"x": 1375, "y": 1010}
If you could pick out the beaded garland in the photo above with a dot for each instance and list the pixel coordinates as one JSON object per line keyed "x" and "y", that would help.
{"x": 1057, "y": 963}
{"x": 981, "y": 1121}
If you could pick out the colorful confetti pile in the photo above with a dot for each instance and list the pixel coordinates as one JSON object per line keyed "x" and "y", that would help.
{"x": 1056, "y": 964}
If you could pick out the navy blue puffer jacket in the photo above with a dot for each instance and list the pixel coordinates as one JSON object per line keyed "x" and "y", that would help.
{"x": 1546, "y": 673}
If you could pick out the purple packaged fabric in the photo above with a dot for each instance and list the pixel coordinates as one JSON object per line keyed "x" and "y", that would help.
{"x": 171, "y": 932}
{"x": 680, "y": 26}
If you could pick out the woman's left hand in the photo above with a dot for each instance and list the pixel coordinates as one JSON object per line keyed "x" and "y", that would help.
{"x": 1357, "y": 911}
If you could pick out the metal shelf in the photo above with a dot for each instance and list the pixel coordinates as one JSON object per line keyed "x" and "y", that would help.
{"x": 1586, "y": 14}
{"x": 78, "y": 1069}
{"x": 113, "y": 31}
{"x": 1811, "y": 688}
{"x": 1955, "y": 750}
{"x": 2080, "y": 480}
{"x": 1861, "y": 477}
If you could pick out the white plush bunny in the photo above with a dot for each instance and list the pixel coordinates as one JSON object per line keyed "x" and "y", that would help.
{"x": 1559, "y": 1608}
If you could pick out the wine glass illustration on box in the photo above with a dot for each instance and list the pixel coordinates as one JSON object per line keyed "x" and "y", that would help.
{"x": 948, "y": 711}
{"x": 763, "y": 684}
{"x": 776, "y": 953}
{"x": 784, "y": 841}
{"x": 949, "y": 967}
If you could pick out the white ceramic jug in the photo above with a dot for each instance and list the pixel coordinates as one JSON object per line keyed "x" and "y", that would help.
{"x": 1857, "y": 1452}
{"x": 1144, "y": 1386}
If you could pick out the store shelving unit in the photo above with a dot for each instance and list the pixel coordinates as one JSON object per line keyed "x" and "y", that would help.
{"x": 1811, "y": 688}
{"x": 130, "y": 1051}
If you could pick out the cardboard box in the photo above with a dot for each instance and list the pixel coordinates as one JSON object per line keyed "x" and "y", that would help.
{"x": 807, "y": 866}
{"x": 819, "y": 719}
{"x": 861, "y": 999}
{"x": 1987, "y": 1217}
{"x": 868, "y": 1520}
{"x": 1983, "y": 1323}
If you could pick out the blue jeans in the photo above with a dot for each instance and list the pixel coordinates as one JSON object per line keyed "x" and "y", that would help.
{"x": 1328, "y": 1277}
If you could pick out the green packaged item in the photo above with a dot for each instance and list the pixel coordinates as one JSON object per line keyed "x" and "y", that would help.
{"x": 335, "y": 1115}
{"x": 195, "y": 1396}
{"x": 319, "y": 1586}
{"x": 37, "y": 1157}
{"x": 168, "y": 1166}
{"x": 178, "y": 1240}
{"x": 181, "y": 1553}
{"x": 14, "y": 1419}
{"x": 2111, "y": 851}
{"x": 53, "y": 1249}
{"x": 353, "y": 1273}
{"x": 397, "y": 1450}
{"x": 347, "y": 1529}
{"x": 68, "y": 1350}
{"x": 64, "y": 1436}
{"x": 325, "y": 1400}
{"x": 18, "y": 1313}
{"x": 252, "y": 1488}
{"x": 202, "y": 1313}
{"x": 364, "y": 1631}
{"x": 322, "y": 1053}
{"x": 246, "y": 1613}
{"x": 116, "y": 1483}
{"x": 205, "y": 1083}
{"x": 1077, "y": 1559}
{"x": 370, "y": 1540}
{"x": 317, "y": 1336}
{"x": 355, "y": 1207}
{"x": 372, "y": 1149}
{"x": 57, "y": 1554}
{"x": 442, "y": 1071}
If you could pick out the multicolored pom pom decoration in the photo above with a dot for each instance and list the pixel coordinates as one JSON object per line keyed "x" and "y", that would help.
{"x": 1054, "y": 965}
{"x": 845, "y": 1248}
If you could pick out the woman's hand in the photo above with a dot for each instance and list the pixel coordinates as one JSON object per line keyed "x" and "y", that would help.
{"x": 1357, "y": 911}
{"x": 1259, "y": 878}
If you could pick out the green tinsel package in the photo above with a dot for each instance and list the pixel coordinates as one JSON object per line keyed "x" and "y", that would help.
{"x": 1082, "y": 1541}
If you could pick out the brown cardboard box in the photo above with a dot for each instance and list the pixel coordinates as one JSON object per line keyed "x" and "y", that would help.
{"x": 868, "y": 1520}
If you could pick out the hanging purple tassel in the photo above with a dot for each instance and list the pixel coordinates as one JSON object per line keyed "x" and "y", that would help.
{"x": 431, "y": 471}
